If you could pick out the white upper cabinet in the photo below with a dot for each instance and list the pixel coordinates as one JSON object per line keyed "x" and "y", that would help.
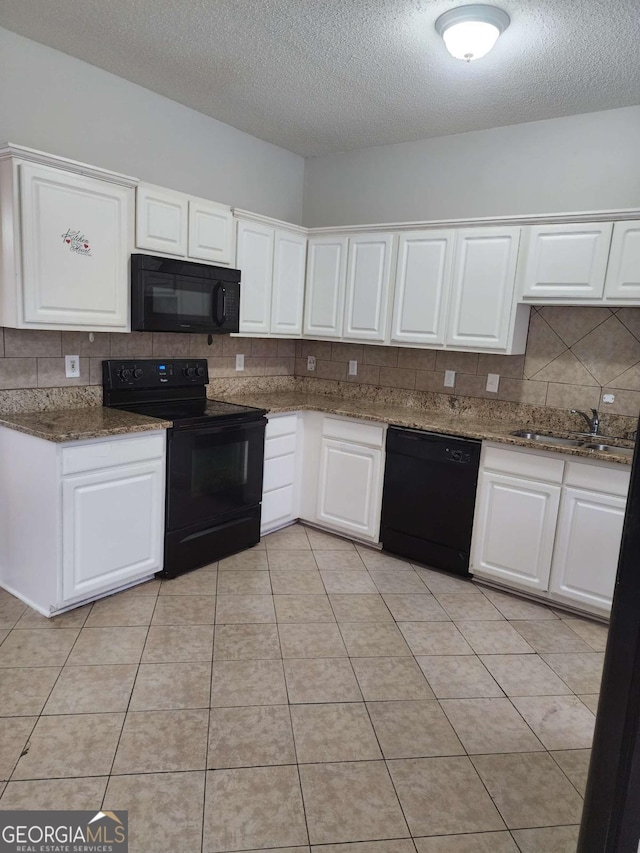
{"x": 367, "y": 289}
{"x": 623, "y": 272}
{"x": 287, "y": 300}
{"x": 272, "y": 262}
{"x": 211, "y": 232}
{"x": 566, "y": 262}
{"x": 325, "y": 288}
{"x": 178, "y": 225}
{"x": 422, "y": 287}
{"x": 255, "y": 262}
{"x": 66, "y": 244}
{"x": 162, "y": 218}
{"x": 481, "y": 313}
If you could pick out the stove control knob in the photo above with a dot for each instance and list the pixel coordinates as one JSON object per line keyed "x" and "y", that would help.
{"x": 125, "y": 374}
{"x": 189, "y": 372}
{"x": 200, "y": 372}
{"x": 137, "y": 373}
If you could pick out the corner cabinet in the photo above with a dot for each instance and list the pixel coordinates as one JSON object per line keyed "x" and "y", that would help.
{"x": 271, "y": 258}
{"x": 99, "y": 510}
{"x": 550, "y": 526}
{"x": 178, "y": 225}
{"x": 66, "y": 242}
{"x": 325, "y": 287}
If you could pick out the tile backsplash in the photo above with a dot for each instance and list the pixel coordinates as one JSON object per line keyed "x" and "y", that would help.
{"x": 35, "y": 359}
{"x": 573, "y": 357}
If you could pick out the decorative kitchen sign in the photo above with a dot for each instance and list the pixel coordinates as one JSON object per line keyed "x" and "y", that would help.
{"x": 77, "y": 242}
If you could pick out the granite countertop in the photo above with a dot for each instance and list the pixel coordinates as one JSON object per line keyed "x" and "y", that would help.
{"x": 416, "y": 418}
{"x": 80, "y": 424}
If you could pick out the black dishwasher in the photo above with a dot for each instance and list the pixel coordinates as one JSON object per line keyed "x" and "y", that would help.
{"x": 429, "y": 496}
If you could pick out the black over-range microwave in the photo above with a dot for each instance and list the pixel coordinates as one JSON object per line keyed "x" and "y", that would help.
{"x": 170, "y": 295}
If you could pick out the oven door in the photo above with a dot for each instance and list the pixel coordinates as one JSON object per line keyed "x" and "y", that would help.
{"x": 213, "y": 470}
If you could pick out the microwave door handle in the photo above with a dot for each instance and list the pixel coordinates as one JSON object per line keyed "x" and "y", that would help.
{"x": 217, "y": 319}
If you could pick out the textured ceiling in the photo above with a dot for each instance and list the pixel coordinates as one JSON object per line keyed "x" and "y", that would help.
{"x": 317, "y": 76}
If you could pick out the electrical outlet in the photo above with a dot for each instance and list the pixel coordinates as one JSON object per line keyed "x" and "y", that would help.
{"x": 493, "y": 382}
{"x": 353, "y": 367}
{"x": 311, "y": 362}
{"x": 72, "y": 366}
{"x": 240, "y": 361}
{"x": 608, "y": 398}
{"x": 449, "y": 378}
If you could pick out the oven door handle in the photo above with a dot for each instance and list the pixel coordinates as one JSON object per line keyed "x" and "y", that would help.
{"x": 258, "y": 423}
{"x": 217, "y": 318}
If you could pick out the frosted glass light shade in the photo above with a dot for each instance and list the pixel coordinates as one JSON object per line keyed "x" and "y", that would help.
{"x": 469, "y": 32}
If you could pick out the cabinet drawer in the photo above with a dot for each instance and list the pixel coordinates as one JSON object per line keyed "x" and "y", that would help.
{"x": 279, "y": 472}
{"x": 280, "y": 446}
{"x": 107, "y": 454}
{"x": 523, "y": 464}
{"x": 277, "y": 505}
{"x": 354, "y": 431}
{"x": 598, "y": 478}
{"x": 286, "y": 425}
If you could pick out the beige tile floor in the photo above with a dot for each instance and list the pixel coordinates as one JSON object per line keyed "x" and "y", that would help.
{"x": 307, "y": 695}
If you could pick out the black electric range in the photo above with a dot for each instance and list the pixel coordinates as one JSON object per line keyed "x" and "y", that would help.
{"x": 215, "y": 453}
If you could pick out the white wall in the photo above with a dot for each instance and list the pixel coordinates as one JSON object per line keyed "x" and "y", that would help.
{"x": 583, "y": 162}
{"x": 55, "y": 103}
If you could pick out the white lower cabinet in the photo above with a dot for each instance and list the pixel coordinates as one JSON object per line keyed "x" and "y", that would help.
{"x": 84, "y": 518}
{"x": 325, "y": 470}
{"x": 111, "y": 532}
{"x": 282, "y": 460}
{"x": 550, "y": 526}
{"x": 349, "y": 479}
{"x": 517, "y": 522}
{"x": 585, "y": 559}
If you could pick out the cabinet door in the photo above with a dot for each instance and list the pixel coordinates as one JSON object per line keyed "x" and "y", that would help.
{"x": 161, "y": 220}
{"x": 349, "y": 488}
{"x": 324, "y": 291}
{"x": 112, "y": 527}
{"x": 514, "y": 530}
{"x": 290, "y": 257}
{"x": 367, "y": 289}
{"x": 422, "y": 285}
{"x": 587, "y": 548}
{"x": 255, "y": 262}
{"x": 75, "y": 249}
{"x": 623, "y": 272}
{"x": 566, "y": 262}
{"x": 211, "y": 232}
{"x": 483, "y": 288}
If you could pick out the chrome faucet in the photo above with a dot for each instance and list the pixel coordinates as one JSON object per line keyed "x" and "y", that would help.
{"x": 593, "y": 422}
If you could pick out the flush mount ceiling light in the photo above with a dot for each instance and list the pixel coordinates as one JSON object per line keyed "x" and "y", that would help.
{"x": 469, "y": 32}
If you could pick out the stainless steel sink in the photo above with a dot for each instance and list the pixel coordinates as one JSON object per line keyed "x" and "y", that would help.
{"x": 592, "y": 444}
{"x": 547, "y": 439}
{"x": 608, "y": 448}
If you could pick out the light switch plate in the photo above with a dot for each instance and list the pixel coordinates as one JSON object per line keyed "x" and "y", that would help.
{"x": 240, "y": 361}
{"x": 449, "y": 378}
{"x": 311, "y": 362}
{"x": 72, "y": 366}
{"x": 353, "y": 367}
{"x": 493, "y": 382}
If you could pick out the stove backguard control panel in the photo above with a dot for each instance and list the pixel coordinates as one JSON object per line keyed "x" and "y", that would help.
{"x": 154, "y": 373}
